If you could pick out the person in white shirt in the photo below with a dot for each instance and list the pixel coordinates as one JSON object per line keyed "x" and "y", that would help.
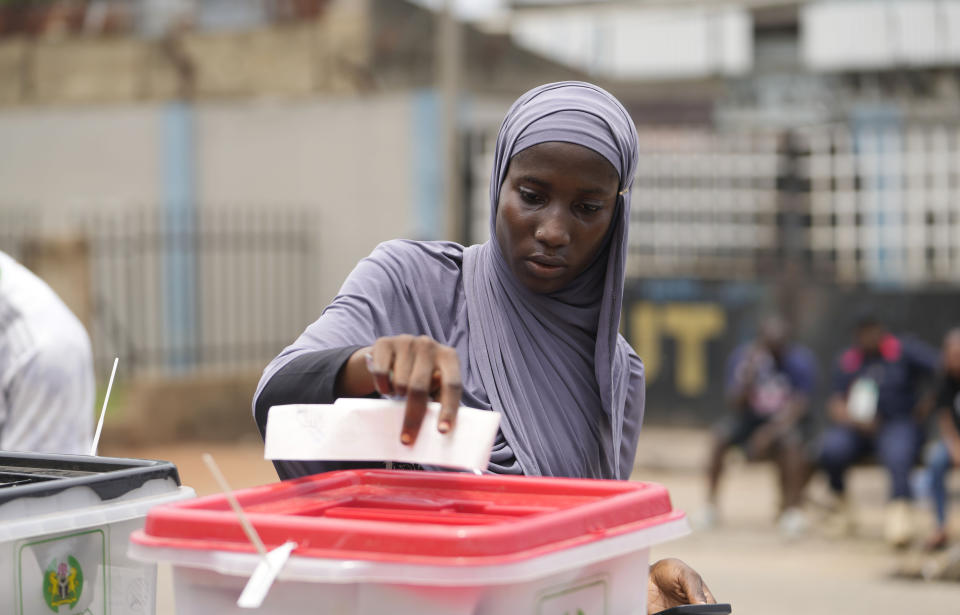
{"x": 46, "y": 368}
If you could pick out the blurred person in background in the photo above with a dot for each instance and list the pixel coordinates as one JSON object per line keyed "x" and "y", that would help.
{"x": 876, "y": 407}
{"x": 769, "y": 384}
{"x": 525, "y": 324}
{"x": 945, "y": 453}
{"x": 46, "y": 368}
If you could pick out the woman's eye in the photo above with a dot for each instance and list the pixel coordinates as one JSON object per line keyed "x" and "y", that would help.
{"x": 530, "y": 197}
{"x": 590, "y": 208}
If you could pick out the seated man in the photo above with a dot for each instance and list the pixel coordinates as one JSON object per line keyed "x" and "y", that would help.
{"x": 946, "y": 453}
{"x": 874, "y": 408}
{"x": 46, "y": 368}
{"x": 770, "y": 381}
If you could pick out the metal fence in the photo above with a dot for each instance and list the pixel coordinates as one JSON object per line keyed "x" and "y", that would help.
{"x": 885, "y": 203}
{"x": 219, "y": 289}
{"x": 704, "y": 203}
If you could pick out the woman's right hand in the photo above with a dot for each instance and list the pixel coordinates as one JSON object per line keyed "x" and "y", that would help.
{"x": 417, "y": 368}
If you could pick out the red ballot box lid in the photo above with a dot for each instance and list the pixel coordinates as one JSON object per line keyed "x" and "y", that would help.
{"x": 415, "y": 517}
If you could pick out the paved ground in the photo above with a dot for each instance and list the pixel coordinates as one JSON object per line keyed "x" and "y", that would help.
{"x": 745, "y": 561}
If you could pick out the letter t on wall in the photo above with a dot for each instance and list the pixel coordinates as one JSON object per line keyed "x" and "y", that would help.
{"x": 692, "y": 325}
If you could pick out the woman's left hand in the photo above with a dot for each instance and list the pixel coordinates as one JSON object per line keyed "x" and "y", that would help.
{"x": 673, "y": 583}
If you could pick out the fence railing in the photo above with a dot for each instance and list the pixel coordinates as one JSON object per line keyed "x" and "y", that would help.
{"x": 218, "y": 289}
{"x": 703, "y": 203}
{"x": 885, "y": 202}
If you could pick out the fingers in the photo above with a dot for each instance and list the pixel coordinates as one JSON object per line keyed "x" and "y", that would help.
{"x": 403, "y": 357}
{"x": 415, "y": 368}
{"x": 417, "y": 387}
{"x": 693, "y": 586}
{"x": 656, "y": 601}
{"x": 448, "y": 365}
{"x": 707, "y": 593}
{"x": 381, "y": 363}
{"x": 679, "y": 584}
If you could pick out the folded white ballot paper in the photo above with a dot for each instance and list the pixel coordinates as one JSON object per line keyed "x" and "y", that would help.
{"x": 369, "y": 430}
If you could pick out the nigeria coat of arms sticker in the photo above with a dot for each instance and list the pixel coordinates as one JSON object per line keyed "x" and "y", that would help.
{"x": 63, "y": 583}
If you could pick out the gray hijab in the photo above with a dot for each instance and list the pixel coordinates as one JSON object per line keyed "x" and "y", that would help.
{"x": 569, "y": 389}
{"x": 554, "y": 365}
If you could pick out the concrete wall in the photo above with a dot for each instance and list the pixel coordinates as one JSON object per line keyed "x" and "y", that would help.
{"x": 60, "y": 158}
{"x": 352, "y": 159}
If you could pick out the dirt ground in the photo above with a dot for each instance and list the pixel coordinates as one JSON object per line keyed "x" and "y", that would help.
{"x": 745, "y": 560}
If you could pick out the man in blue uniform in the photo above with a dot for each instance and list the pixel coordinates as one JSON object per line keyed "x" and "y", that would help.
{"x": 769, "y": 384}
{"x": 874, "y": 407}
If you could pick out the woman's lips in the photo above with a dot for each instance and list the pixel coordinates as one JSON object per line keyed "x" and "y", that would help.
{"x": 545, "y": 267}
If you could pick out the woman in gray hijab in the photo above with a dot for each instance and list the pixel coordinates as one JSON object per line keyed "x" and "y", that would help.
{"x": 525, "y": 324}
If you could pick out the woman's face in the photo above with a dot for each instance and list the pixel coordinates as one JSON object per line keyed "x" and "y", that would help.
{"x": 556, "y": 205}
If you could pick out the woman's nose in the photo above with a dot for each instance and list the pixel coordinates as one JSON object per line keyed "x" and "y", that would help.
{"x": 552, "y": 230}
